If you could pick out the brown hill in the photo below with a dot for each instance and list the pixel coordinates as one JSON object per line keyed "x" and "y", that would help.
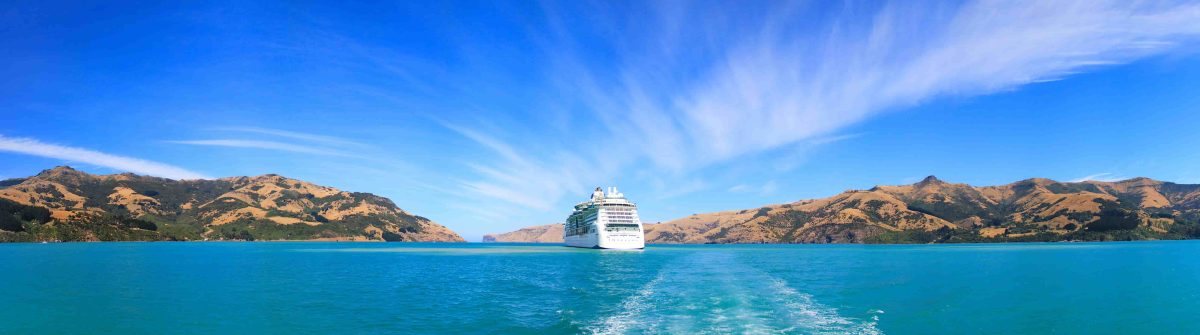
{"x": 270, "y": 207}
{"x": 936, "y": 211}
{"x": 551, "y": 233}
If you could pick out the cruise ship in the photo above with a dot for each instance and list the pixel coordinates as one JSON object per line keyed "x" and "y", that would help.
{"x": 606, "y": 221}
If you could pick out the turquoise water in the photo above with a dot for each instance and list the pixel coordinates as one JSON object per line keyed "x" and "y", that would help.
{"x": 368, "y": 288}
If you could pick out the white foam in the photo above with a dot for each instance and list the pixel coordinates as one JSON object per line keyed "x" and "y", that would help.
{"x": 703, "y": 296}
{"x": 631, "y": 309}
{"x": 812, "y": 317}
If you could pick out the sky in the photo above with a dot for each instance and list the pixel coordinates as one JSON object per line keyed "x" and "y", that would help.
{"x": 490, "y": 116}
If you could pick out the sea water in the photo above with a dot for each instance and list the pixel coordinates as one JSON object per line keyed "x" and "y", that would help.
{"x": 432, "y": 288}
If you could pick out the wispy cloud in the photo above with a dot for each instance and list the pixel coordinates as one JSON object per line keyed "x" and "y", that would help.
{"x": 34, "y": 147}
{"x": 670, "y": 98}
{"x": 798, "y": 154}
{"x": 1106, "y": 177}
{"x": 317, "y": 138}
{"x": 354, "y": 157}
{"x": 779, "y": 87}
{"x": 681, "y": 188}
{"x": 769, "y": 187}
{"x": 283, "y": 140}
{"x": 772, "y": 80}
{"x": 739, "y": 188}
{"x": 766, "y": 188}
{"x": 268, "y": 145}
{"x": 512, "y": 176}
{"x": 833, "y": 139}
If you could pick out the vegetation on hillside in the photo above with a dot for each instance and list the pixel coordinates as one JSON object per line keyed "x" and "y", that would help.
{"x": 933, "y": 211}
{"x": 31, "y": 224}
{"x": 129, "y": 207}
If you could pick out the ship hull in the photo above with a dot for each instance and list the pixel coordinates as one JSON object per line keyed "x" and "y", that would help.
{"x": 606, "y": 241}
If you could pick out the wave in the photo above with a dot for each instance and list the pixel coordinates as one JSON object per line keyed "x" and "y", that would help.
{"x": 631, "y": 309}
{"x": 808, "y": 316}
{"x": 708, "y": 295}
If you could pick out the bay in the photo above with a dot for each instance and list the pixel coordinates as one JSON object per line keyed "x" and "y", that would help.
{"x": 439, "y": 288}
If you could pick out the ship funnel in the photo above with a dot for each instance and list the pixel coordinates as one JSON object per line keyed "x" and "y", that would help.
{"x": 613, "y": 192}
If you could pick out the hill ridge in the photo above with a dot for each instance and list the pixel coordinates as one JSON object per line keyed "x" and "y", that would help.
{"x": 269, "y": 206}
{"x": 933, "y": 211}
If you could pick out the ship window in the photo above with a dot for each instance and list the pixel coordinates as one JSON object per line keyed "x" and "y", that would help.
{"x": 616, "y": 227}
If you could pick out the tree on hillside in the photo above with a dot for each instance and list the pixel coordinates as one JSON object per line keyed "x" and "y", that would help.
{"x": 10, "y": 223}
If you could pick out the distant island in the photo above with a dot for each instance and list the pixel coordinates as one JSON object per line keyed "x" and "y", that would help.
{"x": 64, "y": 204}
{"x": 934, "y": 211}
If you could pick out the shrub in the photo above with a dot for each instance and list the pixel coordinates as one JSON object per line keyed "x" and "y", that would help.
{"x": 10, "y": 223}
{"x": 761, "y": 212}
{"x": 317, "y": 216}
{"x": 143, "y": 224}
{"x": 1114, "y": 219}
{"x": 38, "y": 214}
{"x": 392, "y": 237}
{"x": 1162, "y": 215}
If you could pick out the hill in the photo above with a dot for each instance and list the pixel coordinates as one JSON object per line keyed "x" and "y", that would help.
{"x": 64, "y": 204}
{"x": 551, "y": 233}
{"x": 934, "y": 211}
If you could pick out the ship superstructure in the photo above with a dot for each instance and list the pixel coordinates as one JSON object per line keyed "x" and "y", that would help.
{"x": 606, "y": 221}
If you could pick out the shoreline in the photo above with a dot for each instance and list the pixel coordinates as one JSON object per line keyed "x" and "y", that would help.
{"x": 648, "y": 244}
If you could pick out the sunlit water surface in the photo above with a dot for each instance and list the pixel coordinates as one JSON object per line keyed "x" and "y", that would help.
{"x": 368, "y": 288}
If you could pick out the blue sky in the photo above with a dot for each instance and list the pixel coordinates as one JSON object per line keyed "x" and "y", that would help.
{"x": 489, "y": 116}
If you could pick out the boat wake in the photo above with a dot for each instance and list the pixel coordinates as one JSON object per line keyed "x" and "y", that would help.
{"x": 714, "y": 295}
{"x": 631, "y": 309}
{"x": 816, "y": 318}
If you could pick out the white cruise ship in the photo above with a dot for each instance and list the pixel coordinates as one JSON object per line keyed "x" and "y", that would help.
{"x": 607, "y": 221}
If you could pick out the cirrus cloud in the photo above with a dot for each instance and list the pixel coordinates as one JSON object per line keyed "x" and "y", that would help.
{"x": 682, "y": 96}
{"x": 29, "y": 146}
